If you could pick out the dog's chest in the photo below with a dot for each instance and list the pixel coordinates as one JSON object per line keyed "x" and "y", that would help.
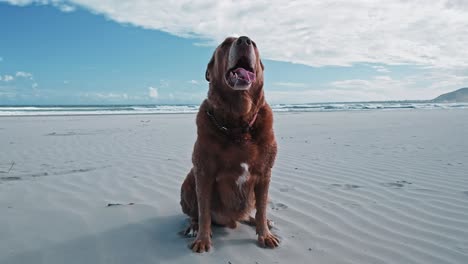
{"x": 236, "y": 175}
{"x": 244, "y": 176}
{"x": 237, "y": 166}
{"x": 235, "y": 187}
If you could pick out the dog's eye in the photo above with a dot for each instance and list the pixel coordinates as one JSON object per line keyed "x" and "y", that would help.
{"x": 226, "y": 43}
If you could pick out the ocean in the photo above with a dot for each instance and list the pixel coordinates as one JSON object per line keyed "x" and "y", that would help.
{"x": 190, "y": 108}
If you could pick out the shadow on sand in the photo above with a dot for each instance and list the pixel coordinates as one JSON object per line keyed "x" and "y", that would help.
{"x": 151, "y": 241}
{"x": 157, "y": 240}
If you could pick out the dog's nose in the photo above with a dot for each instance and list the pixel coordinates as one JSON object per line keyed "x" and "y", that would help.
{"x": 244, "y": 41}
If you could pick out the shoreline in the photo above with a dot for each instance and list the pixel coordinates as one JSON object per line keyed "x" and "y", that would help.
{"x": 274, "y": 112}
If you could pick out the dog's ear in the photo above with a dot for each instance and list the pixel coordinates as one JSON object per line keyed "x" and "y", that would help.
{"x": 209, "y": 67}
{"x": 261, "y": 64}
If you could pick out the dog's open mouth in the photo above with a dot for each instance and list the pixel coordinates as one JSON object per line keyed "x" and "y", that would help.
{"x": 241, "y": 76}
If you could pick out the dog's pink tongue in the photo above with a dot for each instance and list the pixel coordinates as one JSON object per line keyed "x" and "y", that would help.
{"x": 245, "y": 75}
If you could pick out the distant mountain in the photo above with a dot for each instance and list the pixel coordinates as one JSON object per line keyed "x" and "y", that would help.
{"x": 458, "y": 96}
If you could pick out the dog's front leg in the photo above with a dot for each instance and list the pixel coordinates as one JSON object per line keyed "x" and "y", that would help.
{"x": 265, "y": 237}
{"x": 204, "y": 189}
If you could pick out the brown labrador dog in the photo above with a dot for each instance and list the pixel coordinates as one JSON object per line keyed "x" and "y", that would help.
{"x": 235, "y": 148}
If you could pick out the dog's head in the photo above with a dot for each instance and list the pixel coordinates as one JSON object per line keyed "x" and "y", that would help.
{"x": 235, "y": 67}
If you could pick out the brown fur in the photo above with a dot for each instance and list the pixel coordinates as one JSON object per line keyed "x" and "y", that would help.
{"x": 209, "y": 193}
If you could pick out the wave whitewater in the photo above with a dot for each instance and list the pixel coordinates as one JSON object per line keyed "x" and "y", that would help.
{"x": 190, "y": 108}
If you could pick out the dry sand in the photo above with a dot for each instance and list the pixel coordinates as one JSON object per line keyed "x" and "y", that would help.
{"x": 347, "y": 187}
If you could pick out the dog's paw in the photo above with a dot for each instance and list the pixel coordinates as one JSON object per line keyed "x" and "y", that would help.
{"x": 192, "y": 230}
{"x": 268, "y": 240}
{"x": 201, "y": 245}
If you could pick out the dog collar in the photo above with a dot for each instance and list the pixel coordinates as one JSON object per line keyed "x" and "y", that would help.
{"x": 236, "y": 132}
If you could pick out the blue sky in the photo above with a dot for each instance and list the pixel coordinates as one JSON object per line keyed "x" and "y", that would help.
{"x": 95, "y": 52}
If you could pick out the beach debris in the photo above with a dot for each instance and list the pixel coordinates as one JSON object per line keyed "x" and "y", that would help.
{"x": 10, "y": 178}
{"x": 278, "y": 206}
{"x": 404, "y": 182}
{"x": 11, "y": 167}
{"x": 118, "y": 204}
{"x": 397, "y": 184}
{"x": 345, "y": 186}
{"x": 40, "y": 174}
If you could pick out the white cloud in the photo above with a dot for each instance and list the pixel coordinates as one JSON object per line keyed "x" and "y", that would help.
{"x": 164, "y": 83}
{"x": 153, "y": 92}
{"x": 444, "y": 80}
{"x": 376, "y": 88}
{"x": 60, "y": 4}
{"x": 22, "y": 74}
{"x": 313, "y": 96}
{"x": 8, "y": 78}
{"x": 111, "y": 96}
{"x": 66, "y": 8}
{"x": 381, "y": 69}
{"x": 312, "y": 32}
{"x": 194, "y": 82}
{"x": 406, "y": 88}
{"x": 289, "y": 84}
{"x": 20, "y": 2}
{"x": 432, "y": 35}
{"x": 7, "y": 93}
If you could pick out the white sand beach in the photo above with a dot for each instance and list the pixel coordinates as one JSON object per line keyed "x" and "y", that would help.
{"x": 348, "y": 187}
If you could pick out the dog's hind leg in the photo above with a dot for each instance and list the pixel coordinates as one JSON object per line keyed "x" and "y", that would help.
{"x": 192, "y": 229}
{"x": 188, "y": 202}
{"x": 251, "y": 222}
